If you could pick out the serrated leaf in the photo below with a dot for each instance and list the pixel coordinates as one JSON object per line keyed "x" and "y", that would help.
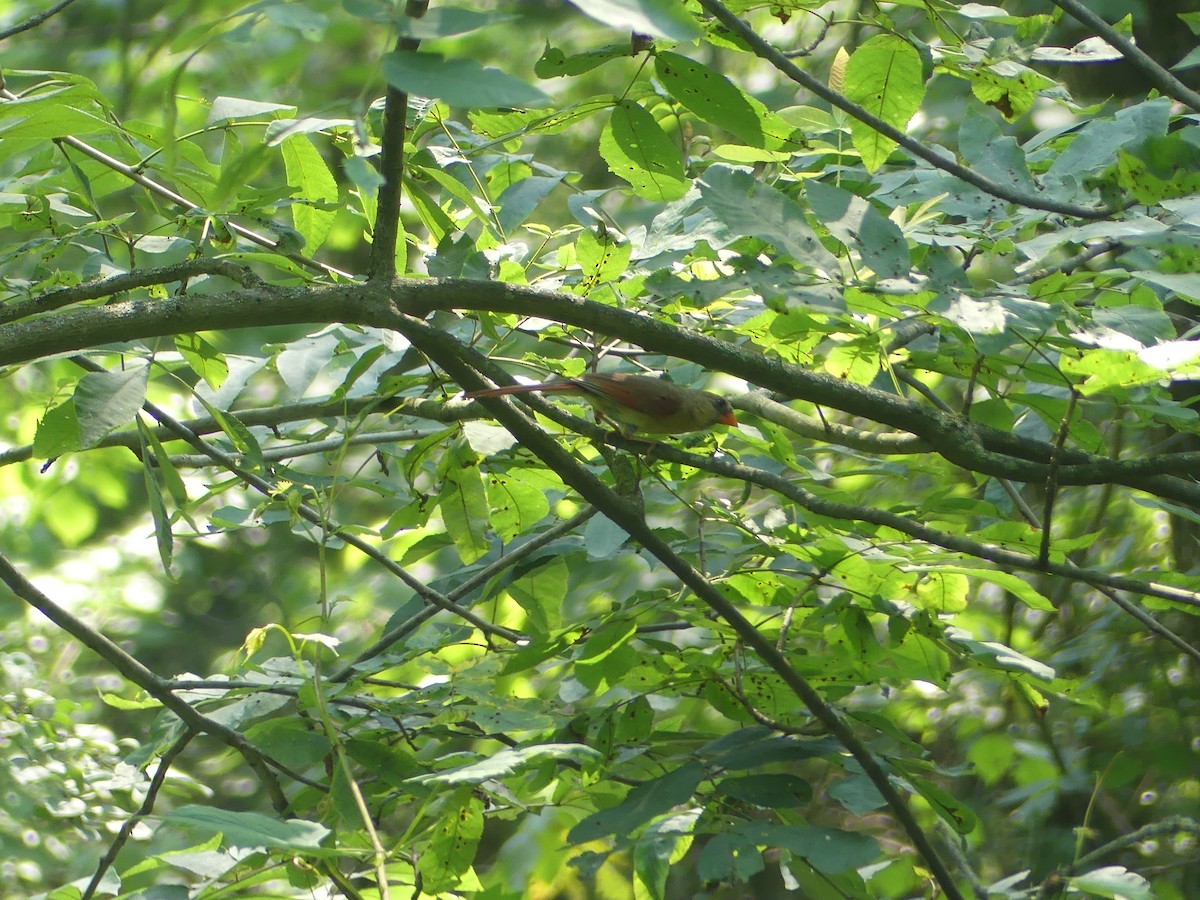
{"x": 315, "y": 185}
{"x": 153, "y": 476}
{"x": 506, "y": 762}
{"x": 541, "y": 590}
{"x": 104, "y": 401}
{"x": 746, "y": 206}
{"x": 464, "y": 506}
{"x": 57, "y": 432}
{"x": 554, "y": 63}
{"x": 601, "y": 258}
{"x": 452, "y": 848}
{"x": 644, "y": 802}
{"x": 858, "y": 224}
{"x": 1116, "y": 882}
{"x": 239, "y": 434}
{"x": 717, "y": 100}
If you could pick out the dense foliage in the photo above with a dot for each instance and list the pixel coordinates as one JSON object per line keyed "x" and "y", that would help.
{"x": 288, "y": 616}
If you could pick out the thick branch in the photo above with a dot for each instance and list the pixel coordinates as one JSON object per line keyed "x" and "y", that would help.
{"x": 127, "y": 281}
{"x": 446, "y": 352}
{"x": 966, "y": 444}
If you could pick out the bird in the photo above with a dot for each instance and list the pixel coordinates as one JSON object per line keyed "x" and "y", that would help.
{"x": 635, "y": 402}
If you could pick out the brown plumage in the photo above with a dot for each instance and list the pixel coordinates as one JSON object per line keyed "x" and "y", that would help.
{"x": 636, "y": 402}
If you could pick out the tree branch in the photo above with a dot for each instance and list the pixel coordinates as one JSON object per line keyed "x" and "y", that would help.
{"x": 448, "y": 353}
{"x": 33, "y": 22}
{"x": 1159, "y": 77}
{"x": 765, "y": 51}
{"x": 148, "y": 681}
{"x": 386, "y": 234}
{"x": 127, "y": 281}
{"x": 147, "y": 807}
{"x": 964, "y": 443}
{"x": 310, "y": 515}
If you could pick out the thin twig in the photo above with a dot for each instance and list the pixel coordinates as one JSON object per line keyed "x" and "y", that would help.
{"x": 449, "y": 353}
{"x": 152, "y": 684}
{"x": 35, "y": 20}
{"x": 386, "y": 234}
{"x": 1158, "y": 76}
{"x": 313, "y": 517}
{"x": 769, "y": 53}
{"x": 147, "y": 807}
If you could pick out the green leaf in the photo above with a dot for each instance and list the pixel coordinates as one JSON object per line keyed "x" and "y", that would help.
{"x": 1013, "y": 584}
{"x": 250, "y": 829}
{"x": 57, "y": 432}
{"x": 464, "y": 505}
{"x": 507, "y": 762}
{"x": 729, "y": 857}
{"x": 717, "y": 100}
{"x": 858, "y": 794}
{"x": 1008, "y": 88}
{"x": 449, "y": 21}
{"x": 554, "y": 63}
{"x": 601, "y": 259}
{"x": 885, "y": 77}
{"x": 995, "y": 655}
{"x": 310, "y": 176}
{"x": 304, "y": 360}
{"x": 857, "y": 360}
{"x": 769, "y": 790}
{"x": 239, "y": 434}
{"x": 540, "y": 587}
{"x": 104, "y": 401}
{"x": 204, "y": 359}
{"x": 662, "y": 843}
{"x": 458, "y": 82}
{"x": 232, "y": 109}
{"x": 1104, "y": 370}
{"x": 156, "y": 477}
{"x": 655, "y": 18}
{"x": 452, "y": 848}
{"x": 291, "y": 742}
{"x": 644, "y": 802}
{"x": 857, "y": 223}
{"x": 47, "y": 114}
{"x": 639, "y": 151}
{"x": 747, "y": 206}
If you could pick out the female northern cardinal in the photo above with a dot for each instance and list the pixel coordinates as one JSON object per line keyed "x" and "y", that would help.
{"x": 636, "y": 402}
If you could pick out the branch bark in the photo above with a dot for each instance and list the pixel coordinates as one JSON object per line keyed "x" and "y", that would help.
{"x": 966, "y": 444}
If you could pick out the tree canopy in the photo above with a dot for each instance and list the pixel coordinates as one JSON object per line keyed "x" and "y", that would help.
{"x": 291, "y": 615}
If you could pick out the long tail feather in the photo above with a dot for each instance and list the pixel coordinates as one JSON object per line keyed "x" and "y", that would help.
{"x": 544, "y": 388}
